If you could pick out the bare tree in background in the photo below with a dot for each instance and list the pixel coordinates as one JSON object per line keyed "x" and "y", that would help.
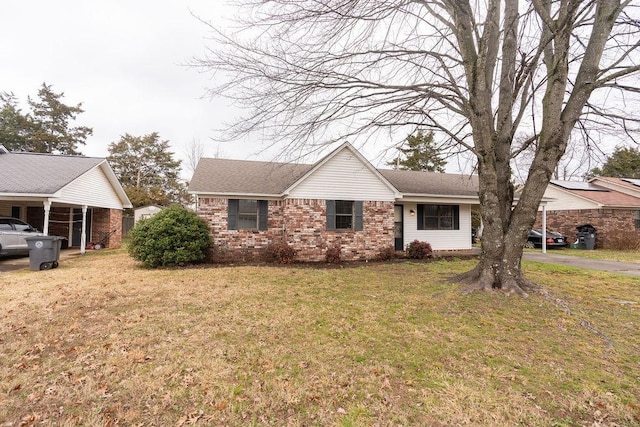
{"x": 311, "y": 72}
{"x": 575, "y": 165}
{"x": 194, "y": 152}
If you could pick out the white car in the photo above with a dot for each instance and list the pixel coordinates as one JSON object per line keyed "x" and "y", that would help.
{"x": 12, "y": 236}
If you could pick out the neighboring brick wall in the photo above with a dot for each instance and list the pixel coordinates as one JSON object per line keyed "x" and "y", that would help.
{"x": 302, "y": 223}
{"x": 104, "y": 221}
{"x": 607, "y": 222}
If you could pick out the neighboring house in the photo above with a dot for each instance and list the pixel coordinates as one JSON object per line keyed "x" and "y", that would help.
{"x": 611, "y": 205}
{"x": 342, "y": 199}
{"x": 145, "y": 212}
{"x": 63, "y": 195}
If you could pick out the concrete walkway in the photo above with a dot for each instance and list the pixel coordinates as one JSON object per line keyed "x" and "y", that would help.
{"x": 556, "y": 257}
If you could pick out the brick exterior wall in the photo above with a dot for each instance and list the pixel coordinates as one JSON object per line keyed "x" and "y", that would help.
{"x": 104, "y": 221}
{"x": 302, "y": 223}
{"x": 609, "y": 223}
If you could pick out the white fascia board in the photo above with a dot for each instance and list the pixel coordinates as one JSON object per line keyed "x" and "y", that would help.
{"x": 13, "y": 196}
{"x": 115, "y": 183}
{"x": 439, "y": 198}
{"x": 238, "y": 195}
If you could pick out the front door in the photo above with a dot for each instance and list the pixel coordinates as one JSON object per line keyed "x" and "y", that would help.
{"x": 398, "y": 231}
{"x": 77, "y": 227}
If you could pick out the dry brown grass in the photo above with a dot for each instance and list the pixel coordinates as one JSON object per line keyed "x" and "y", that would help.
{"x": 100, "y": 341}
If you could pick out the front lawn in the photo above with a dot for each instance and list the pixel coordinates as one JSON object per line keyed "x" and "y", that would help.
{"x": 100, "y": 341}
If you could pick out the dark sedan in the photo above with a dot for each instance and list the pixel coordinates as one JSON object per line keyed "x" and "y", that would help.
{"x": 554, "y": 239}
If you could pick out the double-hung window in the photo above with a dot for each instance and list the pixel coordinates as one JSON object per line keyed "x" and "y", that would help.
{"x": 247, "y": 214}
{"x": 344, "y": 215}
{"x": 438, "y": 217}
{"x": 636, "y": 219}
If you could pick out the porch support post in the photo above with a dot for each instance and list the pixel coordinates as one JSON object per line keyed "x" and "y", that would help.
{"x": 47, "y": 209}
{"x": 83, "y": 235}
{"x": 544, "y": 229}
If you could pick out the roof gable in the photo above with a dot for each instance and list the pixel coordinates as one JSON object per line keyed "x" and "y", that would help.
{"x": 343, "y": 174}
{"x": 594, "y": 193}
{"x": 624, "y": 185}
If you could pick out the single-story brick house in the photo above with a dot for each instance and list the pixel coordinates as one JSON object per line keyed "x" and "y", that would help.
{"x": 610, "y": 205}
{"x": 63, "y": 195}
{"x": 341, "y": 199}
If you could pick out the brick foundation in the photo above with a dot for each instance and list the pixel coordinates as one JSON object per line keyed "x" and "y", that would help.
{"x": 609, "y": 223}
{"x": 302, "y": 223}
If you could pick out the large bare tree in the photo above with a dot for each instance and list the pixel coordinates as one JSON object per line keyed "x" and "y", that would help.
{"x": 481, "y": 72}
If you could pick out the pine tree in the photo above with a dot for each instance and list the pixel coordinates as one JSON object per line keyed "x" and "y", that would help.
{"x": 623, "y": 163}
{"x": 419, "y": 154}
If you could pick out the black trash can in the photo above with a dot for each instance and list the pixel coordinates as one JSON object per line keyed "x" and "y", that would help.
{"x": 44, "y": 252}
{"x": 586, "y": 236}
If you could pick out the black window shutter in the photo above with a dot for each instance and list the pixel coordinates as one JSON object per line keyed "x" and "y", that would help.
{"x": 420, "y": 217}
{"x": 331, "y": 214}
{"x": 358, "y": 214}
{"x": 232, "y": 215}
{"x": 456, "y": 217}
{"x": 263, "y": 214}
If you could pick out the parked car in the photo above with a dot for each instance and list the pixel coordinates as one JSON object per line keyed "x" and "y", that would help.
{"x": 554, "y": 239}
{"x": 12, "y": 236}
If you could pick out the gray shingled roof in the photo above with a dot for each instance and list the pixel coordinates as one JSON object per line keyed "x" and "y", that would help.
{"x": 220, "y": 176}
{"x": 30, "y": 173}
{"x": 244, "y": 176}
{"x": 432, "y": 183}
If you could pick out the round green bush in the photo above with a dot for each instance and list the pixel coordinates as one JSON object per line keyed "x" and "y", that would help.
{"x": 175, "y": 236}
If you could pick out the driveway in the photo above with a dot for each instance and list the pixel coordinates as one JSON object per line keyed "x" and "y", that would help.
{"x": 19, "y": 263}
{"x": 551, "y": 257}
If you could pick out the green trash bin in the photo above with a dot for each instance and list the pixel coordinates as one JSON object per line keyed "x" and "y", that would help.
{"x": 44, "y": 252}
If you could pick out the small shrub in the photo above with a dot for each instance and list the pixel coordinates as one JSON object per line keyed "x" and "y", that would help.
{"x": 621, "y": 240}
{"x": 174, "y": 236}
{"x": 386, "y": 254}
{"x": 280, "y": 252}
{"x": 419, "y": 250}
{"x": 334, "y": 254}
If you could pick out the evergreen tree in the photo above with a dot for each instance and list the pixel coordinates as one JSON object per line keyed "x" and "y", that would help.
{"x": 51, "y": 131}
{"x": 419, "y": 154}
{"x": 147, "y": 170}
{"x": 14, "y": 126}
{"x": 46, "y": 128}
{"x": 623, "y": 163}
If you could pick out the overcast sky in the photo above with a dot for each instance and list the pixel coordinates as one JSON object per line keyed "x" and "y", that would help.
{"x": 123, "y": 60}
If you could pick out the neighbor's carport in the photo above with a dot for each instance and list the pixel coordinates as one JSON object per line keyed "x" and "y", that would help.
{"x": 76, "y": 197}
